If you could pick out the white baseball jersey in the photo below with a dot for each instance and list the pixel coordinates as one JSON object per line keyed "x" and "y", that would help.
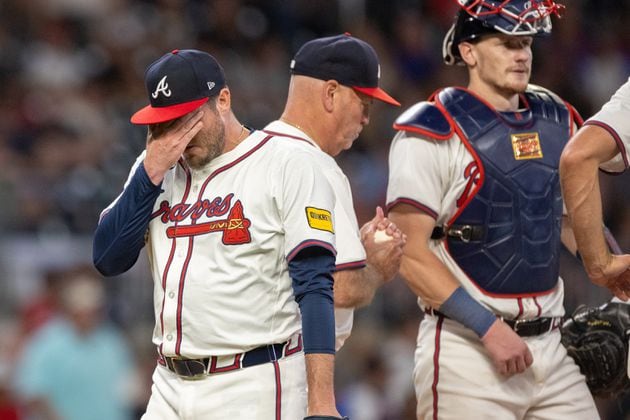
{"x": 431, "y": 174}
{"x": 218, "y": 244}
{"x": 350, "y": 250}
{"x": 613, "y": 117}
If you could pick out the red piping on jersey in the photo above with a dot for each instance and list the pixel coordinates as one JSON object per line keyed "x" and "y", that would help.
{"x": 275, "y": 133}
{"x": 413, "y": 203}
{"x": 436, "y": 365}
{"x": 235, "y": 365}
{"x": 172, "y": 253}
{"x": 425, "y": 133}
{"x": 519, "y": 301}
{"x": 180, "y": 297}
{"x": 234, "y": 163}
{"x": 276, "y": 370}
{"x": 288, "y": 350}
{"x": 615, "y": 136}
{"x": 538, "y": 306}
{"x": 471, "y": 150}
{"x": 166, "y": 268}
{"x": 350, "y": 265}
{"x": 182, "y": 277}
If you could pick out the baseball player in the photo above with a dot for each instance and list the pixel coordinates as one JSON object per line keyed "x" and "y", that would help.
{"x": 603, "y": 142}
{"x": 344, "y": 72}
{"x": 238, "y": 229}
{"x": 474, "y": 185}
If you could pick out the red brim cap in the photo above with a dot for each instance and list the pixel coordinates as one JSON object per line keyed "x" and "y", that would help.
{"x": 377, "y": 93}
{"x": 154, "y": 115}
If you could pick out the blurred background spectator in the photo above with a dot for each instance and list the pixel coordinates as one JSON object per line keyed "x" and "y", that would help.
{"x": 71, "y": 73}
{"x": 76, "y": 366}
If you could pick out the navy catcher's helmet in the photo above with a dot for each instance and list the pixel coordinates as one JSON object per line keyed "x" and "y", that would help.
{"x": 511, "y": 17}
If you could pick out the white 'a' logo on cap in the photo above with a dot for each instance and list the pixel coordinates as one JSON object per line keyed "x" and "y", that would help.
{"x": 378, "y": 73}
{"x": 161, "y": 87}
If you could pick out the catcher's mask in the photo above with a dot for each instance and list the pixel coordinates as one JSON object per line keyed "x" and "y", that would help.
{"x": 482, "y": 17}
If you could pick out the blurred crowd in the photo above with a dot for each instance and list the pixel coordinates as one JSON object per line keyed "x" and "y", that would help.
{"x": 71, "y": 75}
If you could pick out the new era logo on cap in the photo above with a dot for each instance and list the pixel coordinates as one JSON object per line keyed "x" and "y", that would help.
{"x": 178, "y": 83}
{"x": 344, "y": 58}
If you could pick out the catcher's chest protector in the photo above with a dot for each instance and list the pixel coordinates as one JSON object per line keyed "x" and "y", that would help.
{"x": 519, "y": 204}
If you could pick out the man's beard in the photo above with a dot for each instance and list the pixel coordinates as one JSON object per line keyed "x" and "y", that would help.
{"x": 212, "y": 143}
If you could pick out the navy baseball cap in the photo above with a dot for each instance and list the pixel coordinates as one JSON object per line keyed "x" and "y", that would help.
{"x": 178, "y": 83}
{"x": 344, "y": 58}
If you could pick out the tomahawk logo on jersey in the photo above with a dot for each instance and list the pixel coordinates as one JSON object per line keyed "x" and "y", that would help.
{"x": 235, "y": 227}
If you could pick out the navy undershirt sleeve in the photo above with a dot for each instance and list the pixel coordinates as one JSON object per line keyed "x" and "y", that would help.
{"x": 311, "y": 271}
{"x": 119, "y": 237}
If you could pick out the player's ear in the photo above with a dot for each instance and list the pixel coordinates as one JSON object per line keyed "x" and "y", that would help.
{"x": 467, "y": 52}
{"x": 330, "y": 94}
{"x": 224, "y": 100}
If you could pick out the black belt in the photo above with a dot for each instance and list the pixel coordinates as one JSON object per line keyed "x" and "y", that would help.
{"x": 531, "y": 327}
{"x": 464, "y": 233}
{"x": 522, "y": 327}
{"x": 191, "y": 368}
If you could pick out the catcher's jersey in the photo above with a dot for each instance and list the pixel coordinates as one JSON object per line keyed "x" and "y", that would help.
{"x": 614, "y": 118}
{"x": 350, "y": 250}
{"x": 218, "y": 244}
{"x": 436, "y": 175}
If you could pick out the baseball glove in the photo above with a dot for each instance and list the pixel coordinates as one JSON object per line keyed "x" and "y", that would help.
{"x": 597, "y": 339}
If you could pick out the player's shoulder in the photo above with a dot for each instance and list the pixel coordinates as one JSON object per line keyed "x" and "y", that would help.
{"x": 285, "y": 150}
{"x": 289, "y": 145}
{"x": 425, "y": 119}
{"x": 623, "y": 93}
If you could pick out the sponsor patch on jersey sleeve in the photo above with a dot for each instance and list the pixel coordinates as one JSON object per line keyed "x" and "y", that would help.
{"x": 319, "y": 219}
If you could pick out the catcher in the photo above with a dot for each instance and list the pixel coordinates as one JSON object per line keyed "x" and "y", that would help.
{"x": 473, "y": 184}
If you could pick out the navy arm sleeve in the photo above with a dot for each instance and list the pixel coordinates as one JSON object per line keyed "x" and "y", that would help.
{"x": 311, "y": 271}
{"x": 119, "y": 236}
